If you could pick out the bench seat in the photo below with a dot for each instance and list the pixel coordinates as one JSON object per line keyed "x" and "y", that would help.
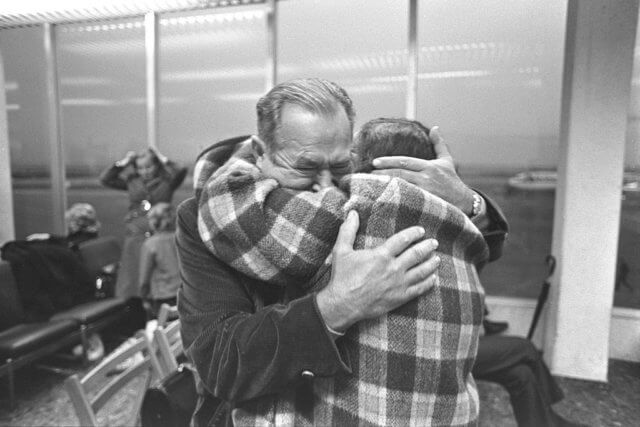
{"x": 24, "y": 338}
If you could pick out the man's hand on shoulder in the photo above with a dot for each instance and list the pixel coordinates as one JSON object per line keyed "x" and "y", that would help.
{"x": 371, "y": 282}
{"x": 437, "y": 176}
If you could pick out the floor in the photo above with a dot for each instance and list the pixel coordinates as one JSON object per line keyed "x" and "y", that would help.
{"x": 42, "y": 401}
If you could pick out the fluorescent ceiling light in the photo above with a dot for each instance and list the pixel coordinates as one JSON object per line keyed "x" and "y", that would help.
{"x": 240, "y": 97}
{"x": 85, "y": 81}
{"x": 24, "y": 12}
{"x": 207, "y": 75}
{"x": 371, "y": 88}
{"x": 77, "y": 102}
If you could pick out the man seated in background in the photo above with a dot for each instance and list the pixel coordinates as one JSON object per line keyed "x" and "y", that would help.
{"x": 515, "y": 363}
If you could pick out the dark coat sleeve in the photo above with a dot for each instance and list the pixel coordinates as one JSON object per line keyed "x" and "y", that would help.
{"x": 175, "y": 174}
{"x": 111, "y": 178}
{"x": 241, "y": 350}
{"x": 496, "y": 231}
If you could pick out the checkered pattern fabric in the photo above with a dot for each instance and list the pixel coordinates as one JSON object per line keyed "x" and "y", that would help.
{"x": 410, "y": 367}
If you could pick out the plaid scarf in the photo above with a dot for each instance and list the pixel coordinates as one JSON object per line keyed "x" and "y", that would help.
{"x": 411, "y": 366}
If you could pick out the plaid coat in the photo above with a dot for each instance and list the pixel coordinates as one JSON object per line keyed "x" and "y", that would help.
{"x": 412, "y": 366}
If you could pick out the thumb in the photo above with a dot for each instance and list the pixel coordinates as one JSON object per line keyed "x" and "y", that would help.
{"x": 347, "y": 234}
{"x": 442, "y": 152}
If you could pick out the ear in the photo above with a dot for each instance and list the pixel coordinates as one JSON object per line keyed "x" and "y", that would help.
{"x": 259, "y": 149}
{"x": 258, "y": 146}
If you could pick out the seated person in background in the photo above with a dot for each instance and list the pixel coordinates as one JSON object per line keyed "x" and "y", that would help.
{"x": 159, "y": 275}
{"x": 414, "y": 364}
{"x": 82, "y": 225}
{"x": 514, "y": 363}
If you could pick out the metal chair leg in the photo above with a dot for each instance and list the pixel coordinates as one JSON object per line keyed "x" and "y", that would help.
{"x": 10, "y": 380}
{"x": 85, "y": 344}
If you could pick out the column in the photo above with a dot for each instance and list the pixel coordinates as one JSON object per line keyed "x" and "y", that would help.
{"x": 7, "y": 231}
{"x": 599, "y": 49}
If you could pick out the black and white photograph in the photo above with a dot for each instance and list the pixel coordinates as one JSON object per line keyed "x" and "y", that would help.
{"x": 320, "y": 213}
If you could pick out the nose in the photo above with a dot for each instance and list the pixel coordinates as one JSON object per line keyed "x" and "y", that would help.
{"x": 324, "y": 179}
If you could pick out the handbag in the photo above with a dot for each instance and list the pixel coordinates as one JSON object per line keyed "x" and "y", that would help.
{"x": 172, "y": 402}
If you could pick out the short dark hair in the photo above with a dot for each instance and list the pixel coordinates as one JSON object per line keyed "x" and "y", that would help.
{"x": 313, "y": 94}
{"x": 162, "y": 217}
{"x": 391, "y": 137}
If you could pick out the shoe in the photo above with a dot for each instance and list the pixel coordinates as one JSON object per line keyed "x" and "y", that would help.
{"x": 493, "y": 328}
{"x": 95, "y": 348}
{"x": 560, "y": 421}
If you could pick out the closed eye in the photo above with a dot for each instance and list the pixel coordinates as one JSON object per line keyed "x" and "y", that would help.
{"x": 343, "y": 168}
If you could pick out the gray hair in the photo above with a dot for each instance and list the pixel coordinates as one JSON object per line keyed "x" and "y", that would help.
{"x": 313, "y": 94}
{"x": 81, "y": 217}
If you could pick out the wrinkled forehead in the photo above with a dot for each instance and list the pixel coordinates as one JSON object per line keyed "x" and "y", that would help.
{"x": 302, "y": 126}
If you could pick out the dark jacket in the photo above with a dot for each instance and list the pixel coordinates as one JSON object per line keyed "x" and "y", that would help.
{"x": 247, "y": 338}
{"x": 50, "y": 276}
{"x": 159, "y": 189}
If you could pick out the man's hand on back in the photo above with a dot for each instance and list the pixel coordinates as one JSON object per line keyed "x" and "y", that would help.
{"x": 371, "y": 282}
{"x": 438, "y": 176}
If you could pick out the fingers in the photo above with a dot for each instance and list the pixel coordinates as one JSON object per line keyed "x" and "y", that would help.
{"x": 442, "y": 152}
{"x": 423, "y": 271}
{"x": 397, "y": 173}
{"x": 421, "y": 287}
{"x": 418, "y": 254}
{"x": 400, "y": 162}
{"x": 347, "y": 233}
{"x": 399, "y": 242}
{"x": 416, "y": 178}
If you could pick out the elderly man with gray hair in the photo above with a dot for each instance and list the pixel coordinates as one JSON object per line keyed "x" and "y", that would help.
{"x": 250, "y": 339}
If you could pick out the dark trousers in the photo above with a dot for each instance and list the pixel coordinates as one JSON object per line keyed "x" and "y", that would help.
{"x": 516, "y": 364}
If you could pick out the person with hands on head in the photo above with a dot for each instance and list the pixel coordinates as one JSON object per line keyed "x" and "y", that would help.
{"x": 148, "y": 177}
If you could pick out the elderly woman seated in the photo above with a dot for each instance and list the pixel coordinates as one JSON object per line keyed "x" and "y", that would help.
{"x": 82, "y": 225}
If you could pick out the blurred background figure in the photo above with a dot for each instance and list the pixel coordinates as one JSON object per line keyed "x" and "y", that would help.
{"x": 159, "y": 276}
{"x": 149, "y": 177}
{"x": 82, "y": 225}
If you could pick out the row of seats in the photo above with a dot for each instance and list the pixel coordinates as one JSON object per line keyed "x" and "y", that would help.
{"x": 156, "y": 360}
{"x": 24, "y": 343}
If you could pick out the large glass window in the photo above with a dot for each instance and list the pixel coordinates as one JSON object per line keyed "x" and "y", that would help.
{"x": 627, "y": 289}
{"x": 359, "y": 44}
{"x": 25, "y": 83}
{"x": 101, "y": 72}
{"x": 491, "y": 76}
{"x": 212, "y": 72}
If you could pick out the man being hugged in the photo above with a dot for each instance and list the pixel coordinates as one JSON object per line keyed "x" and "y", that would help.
{"x": 250, "y": 339}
